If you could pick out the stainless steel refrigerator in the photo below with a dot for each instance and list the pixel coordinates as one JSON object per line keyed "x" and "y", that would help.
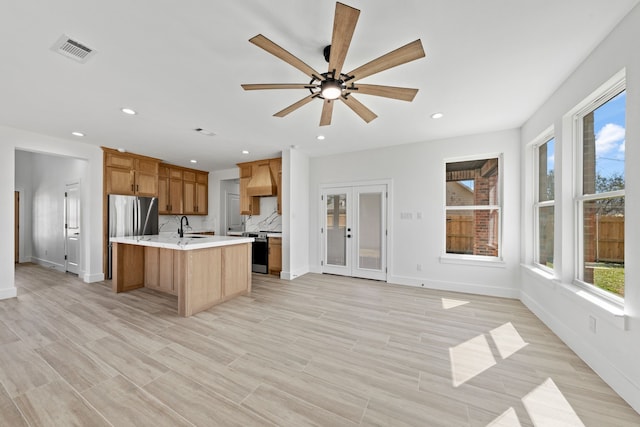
{"x": 131, "y": 216}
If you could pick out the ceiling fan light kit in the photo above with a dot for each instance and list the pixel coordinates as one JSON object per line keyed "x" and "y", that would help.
{"x": 334, "y": 84}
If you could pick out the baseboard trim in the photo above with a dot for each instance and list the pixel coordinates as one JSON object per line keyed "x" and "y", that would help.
{"x": 616, "y": 379}
{"x": 92, "y": 278}
{"x": 468, "y": 288}
{"x": 8, "y": 293}
{"x": 48, "y": 264}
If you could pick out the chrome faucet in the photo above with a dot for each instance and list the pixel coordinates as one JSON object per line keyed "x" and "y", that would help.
{"x": 181, "y": 229}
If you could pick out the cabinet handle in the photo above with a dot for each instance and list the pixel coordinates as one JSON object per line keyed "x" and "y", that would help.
{"x": 132, "y": 187}
{"x": 137, "y": 187}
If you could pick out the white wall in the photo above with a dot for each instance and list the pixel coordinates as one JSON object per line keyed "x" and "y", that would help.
{"x": 613, "y": 351}
{"x": 295, "y": 214}
{"x": 417, "y": 172}
{"x": 43, "y": 178}
{"x": 12, "y": 139}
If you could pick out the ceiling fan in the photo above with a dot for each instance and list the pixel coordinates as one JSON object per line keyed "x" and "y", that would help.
{"x": 334, "y": 84}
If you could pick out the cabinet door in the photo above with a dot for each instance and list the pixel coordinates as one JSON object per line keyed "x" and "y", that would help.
{"x": 165, "y": 276}
{"x": 248, "y": 205}
{"x": 189, "y": 197}
{"x": 146, "y": 184}
{"x": 275, "y": 255}
{"x": 119, "y": 181}
{"x": 175, "y": 196}
{"x": 202, "y": 207}
{"x": 164, "y": 200}
{"x": 123, "y": 161}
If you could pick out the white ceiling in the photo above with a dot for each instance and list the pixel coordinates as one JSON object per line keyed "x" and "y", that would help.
{"x": 490, "y": 64}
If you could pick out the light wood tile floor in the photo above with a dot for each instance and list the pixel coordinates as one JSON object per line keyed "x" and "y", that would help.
{"x": 321, "y": 350}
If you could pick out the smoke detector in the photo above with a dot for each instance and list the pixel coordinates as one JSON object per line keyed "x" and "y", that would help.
{"x": 66, "y": 46}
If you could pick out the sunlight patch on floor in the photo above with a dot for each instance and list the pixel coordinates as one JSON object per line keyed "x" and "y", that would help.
{"x": 448, "y": 303}
{"x": 547, "y": 406}
{"x": 508, "y": 418}
{"x": 507, "y": 340}
{"x": 469, "y": 359}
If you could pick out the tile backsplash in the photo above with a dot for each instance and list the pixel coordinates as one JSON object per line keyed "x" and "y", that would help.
{"x": 268, "y": 220}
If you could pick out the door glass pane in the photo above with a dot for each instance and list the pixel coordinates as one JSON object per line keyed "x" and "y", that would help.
{"x": 336, "y": 224}
{"x": 370, "y": 231}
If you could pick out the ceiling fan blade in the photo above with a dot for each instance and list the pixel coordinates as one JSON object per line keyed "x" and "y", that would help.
{"x": 327, "y": 112}
{"x": 401, "y": 93}
{"x": 402, "y": 55}
{"x": 266, "y": 44}
{"x": 366, "y": 114}
{"x": 261, "y": 86}
{"x": 295, "y": 106}
{"x": 344, "y": 24}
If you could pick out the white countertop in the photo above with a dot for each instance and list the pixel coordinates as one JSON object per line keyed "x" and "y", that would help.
{"x": 189, "y": 242}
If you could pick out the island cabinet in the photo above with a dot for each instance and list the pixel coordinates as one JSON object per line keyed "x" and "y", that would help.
{"x": 214, "y": 270}
{"x": 130, "y": 174}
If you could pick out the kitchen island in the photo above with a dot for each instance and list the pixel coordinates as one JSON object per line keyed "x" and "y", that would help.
{"x": 201, "y": 271}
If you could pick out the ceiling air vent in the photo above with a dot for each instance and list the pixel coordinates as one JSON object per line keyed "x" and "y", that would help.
{"x": 73, "y": 49}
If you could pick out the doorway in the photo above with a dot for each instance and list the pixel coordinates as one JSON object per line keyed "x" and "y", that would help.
{"x": 72, "y": 227}
{"x": 354, "y": 231}
{"x": 233, "y": 217}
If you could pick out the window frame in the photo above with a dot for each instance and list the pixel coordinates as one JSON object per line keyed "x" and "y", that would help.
{"x": 448, "y": 257}
{"x": 592, "y": 103}
{"x": 546, "y": 137}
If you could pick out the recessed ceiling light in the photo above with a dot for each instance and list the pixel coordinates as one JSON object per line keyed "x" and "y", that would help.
{"x": 128, "y": 111}
{"x": 245, "y": 152}
{"x": 77, "y": 133}
{"x": 320, "y": 137}
{"x": 437, "y": 115}
{"x": 193, "y": 161}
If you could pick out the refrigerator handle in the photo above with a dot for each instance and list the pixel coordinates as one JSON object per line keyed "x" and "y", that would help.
{"x": 137, "y": 216}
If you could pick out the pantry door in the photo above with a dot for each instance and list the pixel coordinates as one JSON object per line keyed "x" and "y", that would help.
{"x": 354, "y": 233}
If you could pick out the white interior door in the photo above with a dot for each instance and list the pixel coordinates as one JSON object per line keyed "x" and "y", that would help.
{"x": 233, "y": 217}
{"x": 355, "y": 231}
{"x": 72, "y": 228}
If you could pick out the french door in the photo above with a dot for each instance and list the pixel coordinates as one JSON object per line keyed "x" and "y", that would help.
{"x": 354, "y": 233}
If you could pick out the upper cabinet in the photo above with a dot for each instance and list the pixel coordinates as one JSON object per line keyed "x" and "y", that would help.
{"x": 170, "y": 199}
{"x": 261, "y": 178}
{"x": 180, "y": 191}
{"x": 196, "y": 191}
{"x": 130, "y": 174}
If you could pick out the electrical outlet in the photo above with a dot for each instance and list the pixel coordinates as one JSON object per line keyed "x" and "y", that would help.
{"x": 592, "y": 324}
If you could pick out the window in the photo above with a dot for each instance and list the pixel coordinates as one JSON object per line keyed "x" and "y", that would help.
{"x": 601, "y": 193}
{"x": 473, "y": 207}
{"x": 544, "y": 206}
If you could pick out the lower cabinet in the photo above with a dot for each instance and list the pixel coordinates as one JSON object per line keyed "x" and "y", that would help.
{"x": 160, "y": 272}
{"x": 275, "y": 255}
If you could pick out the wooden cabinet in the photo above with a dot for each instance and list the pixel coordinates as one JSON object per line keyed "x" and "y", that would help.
{"x": 170, "y": 188}
{"x": 275, "y": 255}
{"x": 195, "y": 192}
{"x": 130, "y": 174}
{"x": 159, "y": 270}
{"x": 250, "y": 204}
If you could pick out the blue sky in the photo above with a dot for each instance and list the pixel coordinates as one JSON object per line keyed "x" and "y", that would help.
{"x": 609, "y": 124}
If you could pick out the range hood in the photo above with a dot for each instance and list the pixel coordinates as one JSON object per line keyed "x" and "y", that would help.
{"x": 262, "y": 183}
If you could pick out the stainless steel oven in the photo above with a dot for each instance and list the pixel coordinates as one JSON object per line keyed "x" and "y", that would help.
{"x": 259, "y": 251}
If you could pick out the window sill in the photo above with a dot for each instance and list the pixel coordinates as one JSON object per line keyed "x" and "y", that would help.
{"x": 601, "y": 307}
{"x": 482, "y": 261}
